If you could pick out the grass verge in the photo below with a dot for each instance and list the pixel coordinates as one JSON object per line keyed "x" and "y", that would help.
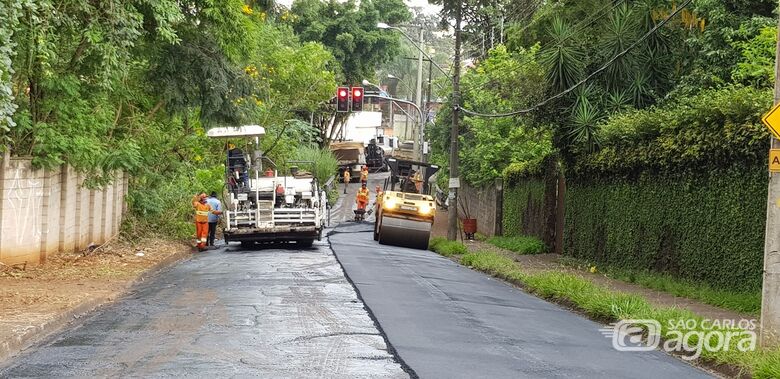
{"x": 519, "y": 244}
{"x": 743, "y": 302}
{"x": 447, "y": 248}
{"x": 606, "y": 305}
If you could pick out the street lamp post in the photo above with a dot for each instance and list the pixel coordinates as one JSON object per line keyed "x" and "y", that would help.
{"x": 418, "y": 94}
{"x": 419, "y": 111}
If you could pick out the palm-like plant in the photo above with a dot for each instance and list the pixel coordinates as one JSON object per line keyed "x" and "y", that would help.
{"x": 617, "y": 102}
{"x": 584, "y": 127}
{"x": 640, "y": 89}
{"x": 562, "y": 59}
{"x": 620, "y": 34}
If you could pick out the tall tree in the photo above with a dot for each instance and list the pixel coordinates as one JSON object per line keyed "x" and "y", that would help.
{"x": 350, "y": 32}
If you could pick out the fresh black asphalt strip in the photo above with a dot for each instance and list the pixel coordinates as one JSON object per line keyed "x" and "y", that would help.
{"x": 447, "y": 321}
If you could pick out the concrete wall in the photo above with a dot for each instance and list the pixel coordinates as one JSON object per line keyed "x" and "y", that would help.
{"x": 45, "y": 211}
{"x": 482, "y": 203}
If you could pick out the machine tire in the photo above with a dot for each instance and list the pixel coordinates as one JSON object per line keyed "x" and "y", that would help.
{"x": 305, "y": 244}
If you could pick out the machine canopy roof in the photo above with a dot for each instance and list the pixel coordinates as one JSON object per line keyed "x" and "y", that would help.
{"x": 236, "y": 131}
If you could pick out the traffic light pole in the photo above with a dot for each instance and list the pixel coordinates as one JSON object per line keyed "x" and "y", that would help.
{"x": 770, "y": 294}
{"x": 452, "y": 214}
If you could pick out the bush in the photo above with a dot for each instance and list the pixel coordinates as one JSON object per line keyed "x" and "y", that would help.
{"x": 524, "y": 208}
{"x": 447, "y": 248}
{"x": 706, "y": 229}
{"x": 717, "y": 129}
{"x": 324, "y": 163}
{"x": 519, "y": 244}
{"x": 678, "y": 189}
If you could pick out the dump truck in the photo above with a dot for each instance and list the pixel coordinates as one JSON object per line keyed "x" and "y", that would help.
{"x": 351, "y": 157}
{"x": 260, "y": 205}
{"x": 375, "y": 157}
{"x": 406, "y": 209}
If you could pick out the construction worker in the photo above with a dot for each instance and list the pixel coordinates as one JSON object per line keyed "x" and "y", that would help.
{"x": 364, "y": 174}
{"x": 378, "y": 191}
{"x": 362, "y": 197}
{"x": 279, "y": 195}
{"x": 418, "y": 181}
{"x": 347, "y": 178}
{"x": 216, "y": 207}
{"x": 202, "y": 212}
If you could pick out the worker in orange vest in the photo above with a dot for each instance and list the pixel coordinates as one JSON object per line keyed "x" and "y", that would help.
{"x": 279, "y": 195}
{"x": 362, "y": 197}
{"x": 347, "y": 178}
{"x": 364, "y": 174}
{"x": 202, "y": 211}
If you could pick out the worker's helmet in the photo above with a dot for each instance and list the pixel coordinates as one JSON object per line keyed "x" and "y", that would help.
{"x": 231, "y": 146}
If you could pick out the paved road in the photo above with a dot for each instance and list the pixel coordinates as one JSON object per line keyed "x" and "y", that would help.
{"x": 225, "y": 313}
{"x": 446, "y": 321}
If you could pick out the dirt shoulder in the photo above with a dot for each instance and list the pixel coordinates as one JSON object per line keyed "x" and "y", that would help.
{"x": 36, "y": 301}
{"x": 551, "y": 262}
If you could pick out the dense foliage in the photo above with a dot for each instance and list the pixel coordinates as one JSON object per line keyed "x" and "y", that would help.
{"x": 663, "y": 152}
{"x": 135, "y": 85}
{"x": 708, "y": 228}
{"x": 523, "y": 208}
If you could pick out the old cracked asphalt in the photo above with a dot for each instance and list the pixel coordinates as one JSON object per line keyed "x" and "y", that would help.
{"x": 283, "y": 312}
{"x": 231, "y": 312}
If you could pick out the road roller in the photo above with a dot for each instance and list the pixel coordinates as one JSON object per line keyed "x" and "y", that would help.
{"x": 405, "y": 210}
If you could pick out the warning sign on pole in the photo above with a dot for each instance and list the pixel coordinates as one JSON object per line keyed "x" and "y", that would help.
{"x": 774, "y": 160}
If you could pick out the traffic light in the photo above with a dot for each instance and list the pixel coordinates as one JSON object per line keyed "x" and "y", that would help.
{"x": 342, "y": 99}
{"x": 357, "y": 99}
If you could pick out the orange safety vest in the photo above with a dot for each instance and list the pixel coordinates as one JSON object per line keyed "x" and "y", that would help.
{"x": 202, "y": 212}
{"x": 346, "y": 176}
{"x": 362, "y": 195}
{"x": 364, "y": 175}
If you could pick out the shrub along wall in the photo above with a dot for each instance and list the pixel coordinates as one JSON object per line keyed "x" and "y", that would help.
{"x": 524, "y": 208}
{"x": 708, "y": 228}
{"x": 679, "y": 189}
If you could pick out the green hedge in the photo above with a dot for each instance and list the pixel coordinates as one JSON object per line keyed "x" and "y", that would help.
{"x": 708, "y": 228}
{"x": 718, "y": 128}
{"x": 523, "y": 208}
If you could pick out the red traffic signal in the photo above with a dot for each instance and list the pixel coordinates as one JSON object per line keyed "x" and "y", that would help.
{"x": 357, "y": 99}
{"x": 342, "y": 99}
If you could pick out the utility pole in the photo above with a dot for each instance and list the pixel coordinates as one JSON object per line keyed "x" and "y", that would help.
{"x": 419, "y": 89}
{"x": 770, "y": 295}
{"x": 452, "y": 215}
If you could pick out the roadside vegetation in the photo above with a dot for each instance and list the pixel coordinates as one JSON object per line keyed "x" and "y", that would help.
{"x": 519, "y": 244}
{"x": 608, "y": 306}
{"x": 743, "y": 302}
{"x": 135, "y": 87}
{"x": 447, "y": 248}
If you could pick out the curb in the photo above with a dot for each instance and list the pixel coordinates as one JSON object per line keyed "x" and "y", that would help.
{"x": 35, "y": 333}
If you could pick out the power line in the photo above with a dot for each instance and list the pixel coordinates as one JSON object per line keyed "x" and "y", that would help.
{"x": 589, "y": 77}
{"x": 574, "y": 30}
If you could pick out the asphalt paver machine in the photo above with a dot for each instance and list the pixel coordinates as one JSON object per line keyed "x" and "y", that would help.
{"x": 262, "y": 206}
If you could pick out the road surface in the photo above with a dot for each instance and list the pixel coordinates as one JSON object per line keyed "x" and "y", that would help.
{"x": 225, "y": 313}
{"x": 281, "y": 312}
{"x": 446, "y": 321}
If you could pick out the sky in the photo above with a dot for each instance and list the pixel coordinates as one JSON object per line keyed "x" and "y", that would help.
{"x": 427, "y": 8}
